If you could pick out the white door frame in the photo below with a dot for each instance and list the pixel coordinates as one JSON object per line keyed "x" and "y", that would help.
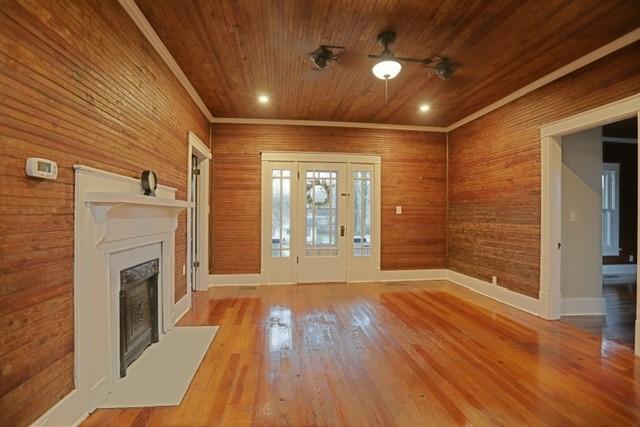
{"x": 351, "y": 161}
{"x": 201, "y": 151}
{"x": 551, "y": 197}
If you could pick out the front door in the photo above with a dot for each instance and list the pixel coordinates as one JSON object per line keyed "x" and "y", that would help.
{"x": 322, "y": 211}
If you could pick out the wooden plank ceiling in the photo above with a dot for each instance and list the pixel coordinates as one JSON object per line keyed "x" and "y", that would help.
{"x": 233, "y": 50}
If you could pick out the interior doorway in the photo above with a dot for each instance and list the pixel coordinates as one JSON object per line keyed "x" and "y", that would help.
{"x": 320, "y": 218}
{"x": 197, "y": 269}
{"x": 599, "y": 230}
{"x": 552, "y": 244}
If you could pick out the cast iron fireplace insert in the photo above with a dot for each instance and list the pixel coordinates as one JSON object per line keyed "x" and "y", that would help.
{"x": 138, "y": 311}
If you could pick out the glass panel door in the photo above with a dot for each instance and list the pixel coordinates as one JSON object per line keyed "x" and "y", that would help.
{"x": 279, "y": 180}
{"x": 322, "y": 210}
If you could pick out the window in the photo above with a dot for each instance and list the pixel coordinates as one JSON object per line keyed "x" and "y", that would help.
{"x": 281, "y": 213}
{"x": 361, "y": 213}
{"x": 321, "y": 188}
{"x": 610, "y": 209}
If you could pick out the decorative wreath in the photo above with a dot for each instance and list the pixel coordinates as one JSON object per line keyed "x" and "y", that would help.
{"x": 322, "y": 192}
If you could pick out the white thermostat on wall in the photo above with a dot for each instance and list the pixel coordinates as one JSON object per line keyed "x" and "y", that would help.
{"x": 41, "y": 168}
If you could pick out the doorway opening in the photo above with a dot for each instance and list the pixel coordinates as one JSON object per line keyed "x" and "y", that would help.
{"x": 599, "y": 230}
{"x": 198, "y": 216}
{"x": 559, "y": 255}
{"x": 320, "y": 217}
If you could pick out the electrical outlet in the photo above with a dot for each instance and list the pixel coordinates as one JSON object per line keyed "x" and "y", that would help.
{"x": 494, "y": 280}
{"x": 184, "y": 270}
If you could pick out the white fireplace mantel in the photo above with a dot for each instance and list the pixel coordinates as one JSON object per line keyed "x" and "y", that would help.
{"x": 116, "y": 226}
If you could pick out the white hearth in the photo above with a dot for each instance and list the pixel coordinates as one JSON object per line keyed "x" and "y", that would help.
{"x": 116, "y": 227}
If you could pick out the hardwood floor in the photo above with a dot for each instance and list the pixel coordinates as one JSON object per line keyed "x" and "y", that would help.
{"x": 420, "y": 354}
{"x": 619, "y": 323}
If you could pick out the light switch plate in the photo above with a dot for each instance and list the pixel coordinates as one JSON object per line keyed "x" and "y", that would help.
{"x": 573, "y": 216}
{"x": 398, "y": 210}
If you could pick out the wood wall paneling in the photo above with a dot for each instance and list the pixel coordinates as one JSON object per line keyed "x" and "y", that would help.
{"x": 78, "y": 84}
{"x": 413, "y": 175}
{"x": 494, "y": 172}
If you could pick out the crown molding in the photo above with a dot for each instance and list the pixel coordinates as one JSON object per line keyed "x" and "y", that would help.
{"x": 362, "y": 125}
{"x": 597, "y": 54}
{"x": 145, "y": 27}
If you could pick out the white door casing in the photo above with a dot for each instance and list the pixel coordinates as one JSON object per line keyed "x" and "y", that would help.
{"x": 198, "y": 149}
{"x": 279, "y": 262}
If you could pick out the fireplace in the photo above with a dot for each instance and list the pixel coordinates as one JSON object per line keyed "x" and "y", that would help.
{"x": 138, "y": 311}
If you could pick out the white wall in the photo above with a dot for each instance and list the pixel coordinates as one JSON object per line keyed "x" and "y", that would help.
{"x": 582, "y": 215}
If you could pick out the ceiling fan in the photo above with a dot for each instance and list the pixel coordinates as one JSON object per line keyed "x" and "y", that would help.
{"x": 388, "y": 65}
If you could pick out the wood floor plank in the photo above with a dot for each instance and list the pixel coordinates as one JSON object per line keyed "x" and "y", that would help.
{"x": 418, "y": 354}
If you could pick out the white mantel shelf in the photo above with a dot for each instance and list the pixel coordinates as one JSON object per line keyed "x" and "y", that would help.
{"x": 118, "y": 199}
{"x": 106, "y": 205}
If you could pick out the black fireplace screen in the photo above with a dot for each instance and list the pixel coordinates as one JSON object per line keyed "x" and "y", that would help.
{"x": 138, "y": 311}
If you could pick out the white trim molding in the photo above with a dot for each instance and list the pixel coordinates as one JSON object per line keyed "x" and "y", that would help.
{"x": 622, "y": 109}
{"x": 584, "y": 307}
{"x": 145, "y": 27}
{"x": 181, "y": 308}
{"x": 615, "y": 140}
{"x": 67, "y": 412}
{"x": 197, "y": 148}
{"x": 597, "y": 54}
{"x": 235, "y": 279}
{"x": 361, "y": 125}
{"x": 498, "y": 293}
{"x": 412, "y": 275}
{"x": 619, "y": 268}
{"x": 296, "y": 156}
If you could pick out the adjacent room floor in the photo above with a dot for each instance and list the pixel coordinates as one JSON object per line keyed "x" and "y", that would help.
{"x": 619, "y": 323}
{"x": 413, "y": 354}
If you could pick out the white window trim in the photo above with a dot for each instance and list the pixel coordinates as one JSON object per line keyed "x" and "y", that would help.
{"x": 614, "y": 248}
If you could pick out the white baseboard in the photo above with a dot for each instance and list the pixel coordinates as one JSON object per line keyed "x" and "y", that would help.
{"x": 382, "y": 276}
{"x": 181, "y": 308}
{"x": 504, "y": 295}
{"x": 584, "y": 307}
{"x": 619, "y": 268}
{"x": 67, "y": 412}
{"x": 412, "y": 275}
{"x": 235, "y": 279}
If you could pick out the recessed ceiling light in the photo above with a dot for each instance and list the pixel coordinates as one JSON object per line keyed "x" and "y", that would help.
{"x": 424, "y": 108}
{"x": 263, "y": 99}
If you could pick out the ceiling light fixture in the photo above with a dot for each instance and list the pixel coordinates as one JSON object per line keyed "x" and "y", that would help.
{"x": 388, "y": 65}
{"x": 263, "y": 99}
{"x": 424, "y": 108}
